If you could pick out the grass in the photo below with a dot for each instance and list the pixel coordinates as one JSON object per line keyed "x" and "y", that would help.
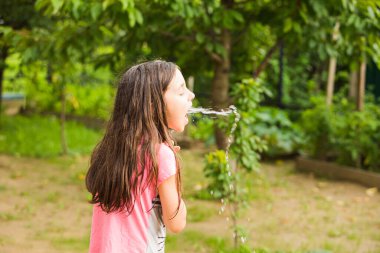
{"x": 71, "y": 243}
{"x": 198, "y": 213}
{"x": 49, "y": 198}
{"x": 38, "y": 136}
{"x": 44, "y": 201}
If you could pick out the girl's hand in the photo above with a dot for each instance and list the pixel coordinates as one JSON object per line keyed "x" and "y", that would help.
{"x": 177, "y": 149}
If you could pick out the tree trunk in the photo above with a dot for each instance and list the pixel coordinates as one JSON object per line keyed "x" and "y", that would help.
{"x": 3, "y": 57}
{"x": 330, "y": 81}
{"x": 353, "y": 91}
{"x": 63, "y": 120}
{"x": 361, "y": 88}
{"x": 220, "y": 86}
{"x": 332, "y": 69}
{"x": 360, "y": 103}
{"x": 280, "y": 88}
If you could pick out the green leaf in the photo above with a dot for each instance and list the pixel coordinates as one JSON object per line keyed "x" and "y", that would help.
{"x": 76, "y": 6}
{"x": 107, "y": 3}
{"x": 132, "y": 19}
{"x": 96, "y": 9}
{"x": 288, "y": 25}
{"x": 40, "y": 4}
{"x": 238, "y": 16}
{"x": 125, "y": 4}
{"x": 371, "y": 13}
{"x": 200, "y": 38}
{"x": 139, "y": 17}
{"x": 57, "y": 4}
{"x": 6, "y": 30}
{"x": 209, "y": 47}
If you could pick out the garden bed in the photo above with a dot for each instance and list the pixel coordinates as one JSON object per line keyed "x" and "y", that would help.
{"x": 335, "y": 171}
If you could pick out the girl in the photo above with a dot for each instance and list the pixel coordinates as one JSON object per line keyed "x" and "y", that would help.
{"x": 134, "y": 175}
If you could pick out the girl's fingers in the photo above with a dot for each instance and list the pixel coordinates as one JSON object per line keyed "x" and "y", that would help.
{"x": 177, "y": 148}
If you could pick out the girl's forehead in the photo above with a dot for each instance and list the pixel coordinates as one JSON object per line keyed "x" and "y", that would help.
{"x": 177, "y": 80}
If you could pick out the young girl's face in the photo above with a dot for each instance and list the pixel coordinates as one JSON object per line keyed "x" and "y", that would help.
{"x": 178, "y": 100}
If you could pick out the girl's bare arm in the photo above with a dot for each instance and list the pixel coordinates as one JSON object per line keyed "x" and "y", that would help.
{"x": 173, "y": 220}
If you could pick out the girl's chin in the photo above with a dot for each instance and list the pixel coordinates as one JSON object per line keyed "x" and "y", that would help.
{"x": 180, "y": 129}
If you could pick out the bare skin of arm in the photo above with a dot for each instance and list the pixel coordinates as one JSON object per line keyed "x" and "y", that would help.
{"x": 173, "y": 220}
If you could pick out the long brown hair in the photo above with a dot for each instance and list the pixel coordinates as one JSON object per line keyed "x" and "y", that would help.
{"x": 136, "y": 128}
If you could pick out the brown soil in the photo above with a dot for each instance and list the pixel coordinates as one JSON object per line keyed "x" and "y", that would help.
{"x": 44, "y": 209}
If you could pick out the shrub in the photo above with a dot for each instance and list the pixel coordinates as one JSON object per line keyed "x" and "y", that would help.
{"x": 357, "y": 138}
{"x": 318, "y": 129}
{"x": 281, "y": 135}
{"x": 216, "y": 169}
{"x": 341, "y": 133}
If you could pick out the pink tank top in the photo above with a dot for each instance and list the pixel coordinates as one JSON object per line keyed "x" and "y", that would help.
{"x": 142, "y": 230}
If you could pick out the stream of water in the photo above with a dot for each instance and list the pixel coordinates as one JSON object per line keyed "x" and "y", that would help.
{"x": 224, "y": 112}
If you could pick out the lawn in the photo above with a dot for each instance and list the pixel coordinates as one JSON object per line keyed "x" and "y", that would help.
{"x": 44, "y": 209}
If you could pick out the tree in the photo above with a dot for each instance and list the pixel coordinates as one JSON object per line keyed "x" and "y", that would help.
{"x": 61, "y": 41}
{"x": 221, "y": 40}
{"x": 15, "y": 16}
{"x": 183, "y": 31}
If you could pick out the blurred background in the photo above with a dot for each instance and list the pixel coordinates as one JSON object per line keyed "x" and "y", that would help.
{"x": 303, "y": 173}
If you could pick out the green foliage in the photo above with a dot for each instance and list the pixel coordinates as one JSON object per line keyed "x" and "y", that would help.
{"x": 280, "y": 134}
{"x": 39, "y": 137}
{"x": 17, "y": 14}
{"x": 357, "y": 137}
{"x": 217, "y": 170}
{"x": 318, "y": 129}
{"x": 227, "y": 180}
{"x": 247, "y": 144}
{"x": 299, "y": 80}
{"x": 202, "y": 129}
{"x": 93, "y": 101}
{"x": 88, "y": 92}
{"x": 340, "y": 133}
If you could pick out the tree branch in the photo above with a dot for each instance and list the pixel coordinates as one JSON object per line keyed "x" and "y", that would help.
{"x": 215, "y": 57}
{"x": 265, "y": 61}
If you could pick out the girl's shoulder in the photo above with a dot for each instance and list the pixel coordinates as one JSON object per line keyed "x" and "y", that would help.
{"x": 166, "y": 163}
{"x": 165, "y": 151}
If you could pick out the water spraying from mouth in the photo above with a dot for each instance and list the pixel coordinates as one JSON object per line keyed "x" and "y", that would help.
{"x": 225, "y": 112}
